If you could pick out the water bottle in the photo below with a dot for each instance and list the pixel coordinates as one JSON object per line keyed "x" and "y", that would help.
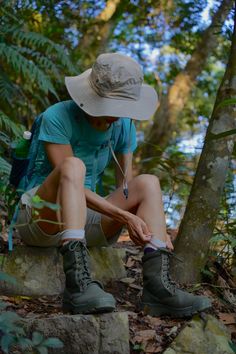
{"x": 22, "y": 147}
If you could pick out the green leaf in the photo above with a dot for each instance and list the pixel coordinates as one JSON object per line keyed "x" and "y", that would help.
{"x": 233, "y": 346}
{"x": 53, "y": 343}
{"x": 218, "y": 238}
{"x": 10, "y": 127}
{"x": 233, "y": 243}
{"x": 7, "y": 278}
{"x": 8, "y": 317}
{"x": 39, "y": 203}
{"x": 5, "y": 167}
{"x": 3, "y": 305}
{"x": 42, "y": 350}
{"x": 227, "y": 102}
{"x": 24, "y": 343}
{"x": 27, "y": 68}
{"x": 207, "y": 273}
{"x": 36, "y": 199}
{"x": 6, "y": 341}
{"x": 37, "y": 338}
{"x": 53, "y": 206}
{"x": 139, "y": 347}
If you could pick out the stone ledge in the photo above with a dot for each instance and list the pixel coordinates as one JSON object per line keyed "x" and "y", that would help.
{"x": 93, "y": 334}
{"x": 199, "y": 336}
{"x": 39, "y": 271}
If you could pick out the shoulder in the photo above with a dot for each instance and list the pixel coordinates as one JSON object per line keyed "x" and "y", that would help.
{"x": 126, "y": 136}
{"x": 65, "y": 113}
{"x": 127, "y": 127}
{"x": 62, "y": 108}
{"x": 123, "y": 126}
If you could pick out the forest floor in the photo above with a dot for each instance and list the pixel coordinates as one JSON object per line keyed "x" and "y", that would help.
{"x": 147, "y": 334}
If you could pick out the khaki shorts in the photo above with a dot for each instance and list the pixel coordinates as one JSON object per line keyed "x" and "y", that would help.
{"x": 32, "y": 235}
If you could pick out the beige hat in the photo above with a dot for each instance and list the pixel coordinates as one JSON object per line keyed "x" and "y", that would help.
{"x": 113, "y": 87}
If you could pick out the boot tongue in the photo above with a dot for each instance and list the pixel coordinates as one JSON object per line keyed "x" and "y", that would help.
{"x": 81, "y": 264}
{"x": 169, "y": 283}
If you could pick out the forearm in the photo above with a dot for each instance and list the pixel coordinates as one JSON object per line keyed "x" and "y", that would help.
{"x": 95, "y": 202}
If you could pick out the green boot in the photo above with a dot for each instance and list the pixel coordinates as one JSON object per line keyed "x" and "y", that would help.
{"x": 82, "y": 294}
{"x": 161, "y": 295}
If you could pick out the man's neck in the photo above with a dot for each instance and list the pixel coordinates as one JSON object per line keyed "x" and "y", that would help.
{"x": 98, "y": 123}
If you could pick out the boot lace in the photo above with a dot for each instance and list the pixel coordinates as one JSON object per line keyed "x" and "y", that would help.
{"x": 169, "y": 284}
{"x": 82, "y": 271}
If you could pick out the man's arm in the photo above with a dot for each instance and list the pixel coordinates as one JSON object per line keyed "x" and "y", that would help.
{"x": 56, "y": 153}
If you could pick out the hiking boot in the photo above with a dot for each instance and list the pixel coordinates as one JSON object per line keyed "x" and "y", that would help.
{"x": 161, "y": 295}
{"x": 82, "y": 294}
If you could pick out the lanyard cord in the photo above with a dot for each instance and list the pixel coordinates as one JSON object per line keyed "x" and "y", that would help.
{"x": 124, "y": 173}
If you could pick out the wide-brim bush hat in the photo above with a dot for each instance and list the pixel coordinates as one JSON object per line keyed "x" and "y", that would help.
{"x": 113, "y": 87}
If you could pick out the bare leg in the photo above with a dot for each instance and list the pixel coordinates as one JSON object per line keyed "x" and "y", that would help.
{"x": 65, "y": 185}
{"x": 145, "y": 200}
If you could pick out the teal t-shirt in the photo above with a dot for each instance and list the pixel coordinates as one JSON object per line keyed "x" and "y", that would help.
{"x": 65, "y": 123}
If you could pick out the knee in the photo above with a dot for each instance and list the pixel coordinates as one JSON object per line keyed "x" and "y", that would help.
{"x": 148, "y": 182}
{"x": 72, "y": 169}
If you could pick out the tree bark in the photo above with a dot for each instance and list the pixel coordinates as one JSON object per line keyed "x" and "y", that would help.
{"x": 173, "y": 103}
{"x": 204, "y": 201}
{"x": 97, "y": 36}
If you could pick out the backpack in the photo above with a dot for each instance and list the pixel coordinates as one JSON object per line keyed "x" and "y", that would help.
{"x": 22, "y": 168}
{"x": 21, "y": 171}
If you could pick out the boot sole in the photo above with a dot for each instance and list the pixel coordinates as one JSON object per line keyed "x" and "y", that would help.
{"x": 98, "y": 306}
{"x": 159, "y": 309}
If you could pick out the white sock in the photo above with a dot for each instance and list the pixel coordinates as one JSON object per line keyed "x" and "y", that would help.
{"x": 155, "y": 244}
{"x": 73, "y": 234}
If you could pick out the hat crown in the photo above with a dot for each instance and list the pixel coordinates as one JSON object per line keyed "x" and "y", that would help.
{"x": 116, "y": 76}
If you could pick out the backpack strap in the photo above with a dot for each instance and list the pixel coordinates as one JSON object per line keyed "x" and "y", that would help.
{"x": 24, "y": 183}
{"x": 10, "y": 233}
{"x": 33, "y": 147}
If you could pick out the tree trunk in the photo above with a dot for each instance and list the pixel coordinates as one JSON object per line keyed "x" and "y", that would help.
{"x": 203, "y": 205}
{"x": 173, "y": 103}
{"x": 97, "y": 36}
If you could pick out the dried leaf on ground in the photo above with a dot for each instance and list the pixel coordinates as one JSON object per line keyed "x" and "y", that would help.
{"x": 227, "y": 294}
{"x": 227, "y": 318}
{"x": 130, "y": 262}
{"x": 127, "y": 280}
{"x": 135, "y": 286}
{"x": 153, "y": 348}
{"x": 144, "y": 336}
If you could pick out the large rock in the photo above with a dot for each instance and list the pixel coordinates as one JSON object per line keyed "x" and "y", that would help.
{"x": 39, "y": 271}
{"x": 206, "y": 336}
{"x": 83, "y": 334}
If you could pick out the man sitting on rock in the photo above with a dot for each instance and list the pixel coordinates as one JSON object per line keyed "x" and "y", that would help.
{"x": 77, "y": 140}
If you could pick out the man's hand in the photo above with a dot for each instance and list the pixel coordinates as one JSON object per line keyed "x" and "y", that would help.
{"x": 140, "y": 234}
{"x": 138, "y": 230}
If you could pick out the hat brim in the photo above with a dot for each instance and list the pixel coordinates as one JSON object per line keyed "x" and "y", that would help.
{"x": 89, "y": 101}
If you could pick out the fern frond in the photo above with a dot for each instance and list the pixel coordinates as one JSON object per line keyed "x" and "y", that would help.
{"x": 5, "y": 142}
{"x": 10, "y": 127}
{"x": 8, "y": 90}
{"x": 30, "y": 71}
{"x": 43, "y": 62}
{"x": 5, "y": 167}
{"x": 8, "y": 14}
{"x": 38, "y": 41}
